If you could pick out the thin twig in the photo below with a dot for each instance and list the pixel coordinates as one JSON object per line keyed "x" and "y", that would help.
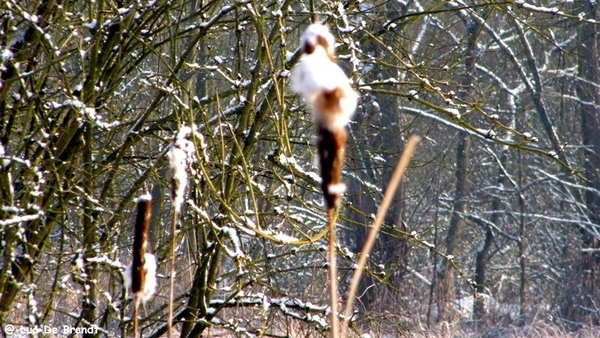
{"x": 387, "y": 199}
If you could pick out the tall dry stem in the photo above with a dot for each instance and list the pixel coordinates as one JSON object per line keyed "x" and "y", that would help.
{"x": 178, "y": 155}
{"x": 387, "y": 199}
{"x": 332, "y": 101}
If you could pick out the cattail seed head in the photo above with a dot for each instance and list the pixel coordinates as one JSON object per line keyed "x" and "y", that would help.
{"x": 140, "y": 276}
{"x": 321, "y": 82}
{"x": 330, "y": 146}
{"x": 318, "y": 36}
{"x": 180, "y": 151}
{"x": 332, "y": 101}
{"x": 333, "y": 109}
{"x": 150, "y": 278}
{"x": 140, "y": 241}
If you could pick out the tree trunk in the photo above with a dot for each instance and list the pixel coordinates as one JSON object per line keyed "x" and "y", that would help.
{"x": 90, "y": 238}
{"x": 589, "y": 96}
{"x": 481, "y": 260}
{"x": 445, "y": 274}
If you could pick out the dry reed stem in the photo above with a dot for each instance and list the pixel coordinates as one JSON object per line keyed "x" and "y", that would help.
{"x": 332, "y": 101}
{"x": 385, "y": 203}
{"x": 178, "y": 157}
{"x": 136, "y": 301}
{"x": 174, "y": 218}
{"x": 333, "y": 284}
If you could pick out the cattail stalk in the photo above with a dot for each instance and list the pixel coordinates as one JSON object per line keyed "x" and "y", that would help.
{"x": 332, "y": 273}
{"x": 178, "y": 155}
{"x": 330, "y": 147}
{"x": 175, "y": 216}
{"x": 332, "y": 101}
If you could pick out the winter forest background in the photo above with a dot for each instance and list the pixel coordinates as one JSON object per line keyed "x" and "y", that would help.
{"x": 495, "y": 230}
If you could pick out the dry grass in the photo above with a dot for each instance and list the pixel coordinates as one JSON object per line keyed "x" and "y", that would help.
{"x": 534, "y": 330}
{"x": 392, "y": 326}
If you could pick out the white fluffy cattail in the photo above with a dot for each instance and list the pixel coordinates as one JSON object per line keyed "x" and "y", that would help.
{"x": 150, "y": 282}
{"x": 180, "y": 151}
{"x": 179, "y": 154}
{"x": 321, "y": 82}
{"x": 332, "y": 101}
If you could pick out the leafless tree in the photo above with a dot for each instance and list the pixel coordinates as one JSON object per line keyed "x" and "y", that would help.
{"x": 496, "y": 220}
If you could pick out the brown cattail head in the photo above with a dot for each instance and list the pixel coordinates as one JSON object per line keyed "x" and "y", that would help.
{"x": 140, "y": 243}
{"x": 331, "y": 159}
{"x": 334, "y": 108}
